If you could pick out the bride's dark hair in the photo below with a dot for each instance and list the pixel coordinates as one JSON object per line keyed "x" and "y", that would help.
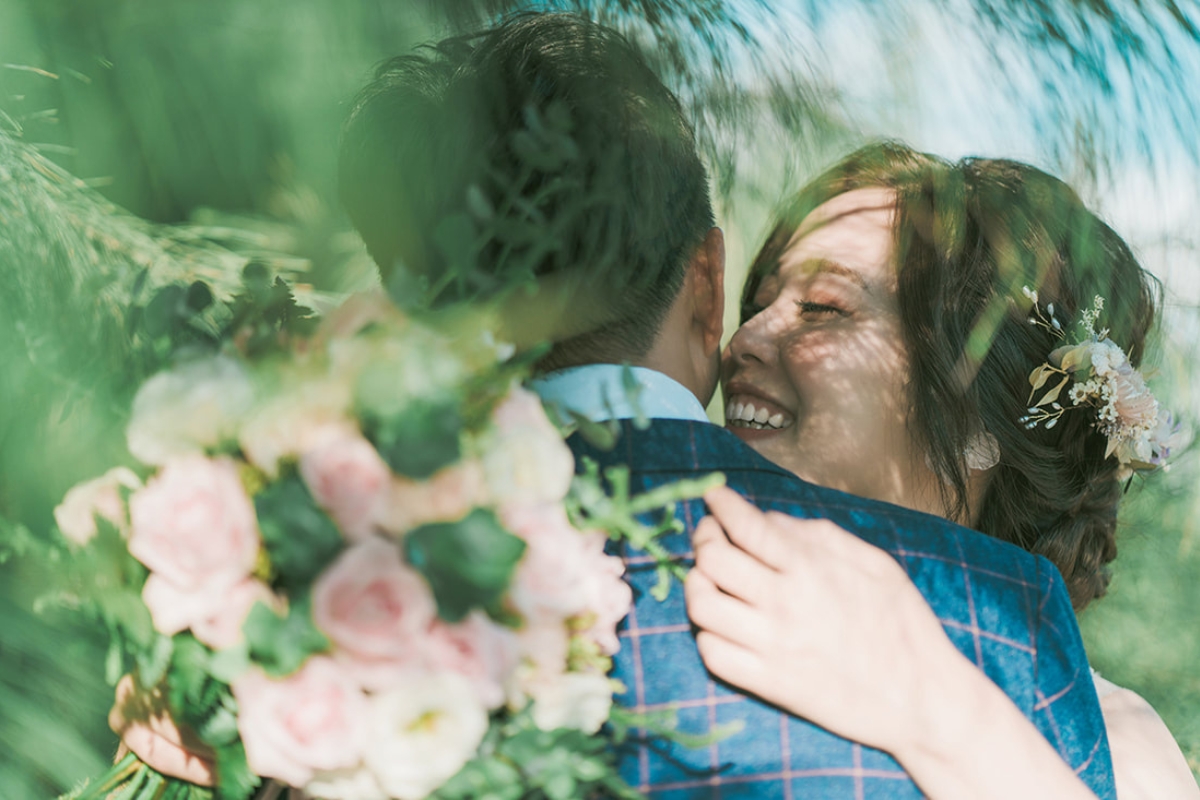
{"x": 969, "y": 236}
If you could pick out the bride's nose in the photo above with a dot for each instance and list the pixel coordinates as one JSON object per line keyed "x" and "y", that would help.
{"x": 754, "y": 341}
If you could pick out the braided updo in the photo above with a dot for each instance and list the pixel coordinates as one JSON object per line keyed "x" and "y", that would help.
{"x": 969, "y": 236}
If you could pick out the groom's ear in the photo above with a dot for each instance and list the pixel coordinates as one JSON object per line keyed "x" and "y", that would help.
{"x": 708, "y": 289}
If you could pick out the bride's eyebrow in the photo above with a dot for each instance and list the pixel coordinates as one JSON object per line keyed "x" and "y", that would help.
{"x": 823, "y": 265}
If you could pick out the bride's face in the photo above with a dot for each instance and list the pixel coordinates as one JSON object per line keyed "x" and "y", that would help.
{"x": 822, "y": 367}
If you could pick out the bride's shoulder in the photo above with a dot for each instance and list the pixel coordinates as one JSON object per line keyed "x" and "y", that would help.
{"x": 1147, "y": 761}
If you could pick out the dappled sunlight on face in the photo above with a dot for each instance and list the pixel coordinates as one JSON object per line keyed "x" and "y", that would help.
{"x": 816, "y": 381}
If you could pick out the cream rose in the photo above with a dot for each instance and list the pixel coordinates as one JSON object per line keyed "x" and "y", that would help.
{"x": 526, "y": 460}
{"x": 375, "y": 609}
{"x": 423, "y": 733}
{"x": 188, "y": 409}
{"x": 542, "y": 652}
{"x": 314, "y": 719}
{"x": 194, "y": 527}
{"x": 99, "y": 497}
{"x": 350, "y": 481}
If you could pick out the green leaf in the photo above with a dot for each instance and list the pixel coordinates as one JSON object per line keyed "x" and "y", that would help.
{"x": 484, "y": 779}
{"x": 602, "y": 435}
{"x": 199, "y": 296}
{"x": 420, "y": 439}
{"x": 280, "y": 645}
{"x": 468, "y": 563}
{"x": 299, "y": 537}
{"x": 235, "y": 781}
{"x": 152, "y": 663}
{"x": 454, "y": 236}
{"x": 231, "y": 662}
{"x": 192, "y": 694}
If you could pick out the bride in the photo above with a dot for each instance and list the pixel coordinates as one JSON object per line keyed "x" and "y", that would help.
{"x": 892, "y": 327}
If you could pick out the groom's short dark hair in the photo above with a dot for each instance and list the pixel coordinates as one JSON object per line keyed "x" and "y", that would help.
{"x": 556, "y": 132}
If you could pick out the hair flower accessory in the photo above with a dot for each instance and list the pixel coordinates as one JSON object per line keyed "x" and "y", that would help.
{"x": 1141, "y": 433}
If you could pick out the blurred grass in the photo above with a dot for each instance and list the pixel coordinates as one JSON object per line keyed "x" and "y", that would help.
{"x": 1145, "y": 634}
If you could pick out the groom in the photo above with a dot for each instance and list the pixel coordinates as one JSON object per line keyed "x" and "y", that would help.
{"x": 554, "y": 125}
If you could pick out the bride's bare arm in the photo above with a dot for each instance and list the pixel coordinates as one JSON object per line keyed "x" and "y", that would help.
{"x": 830, "y": 628}
{"x": 1147, "y": 762}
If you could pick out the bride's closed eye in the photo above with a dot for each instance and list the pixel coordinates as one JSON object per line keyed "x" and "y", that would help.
{"x": 811, "y": 310}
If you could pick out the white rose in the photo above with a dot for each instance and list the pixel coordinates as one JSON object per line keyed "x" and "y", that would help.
{"x": 298, "y": 420}
{"x": 188, "y": 409}
{"x": 423, "y": 733}
{"x": 580, "y": 700}
{"x": 526, "y": 461}
{"x": 347, "y": 784}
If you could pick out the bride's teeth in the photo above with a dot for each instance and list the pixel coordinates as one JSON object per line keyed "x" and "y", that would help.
{"x": 747, "y": 412}
{"x": 761, "y": 415}
{"x": 776, "y": 421}
{"x": 737, "y": 410}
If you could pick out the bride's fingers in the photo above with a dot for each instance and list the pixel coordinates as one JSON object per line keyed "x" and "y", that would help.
{"x": 731, "y": 569}
{"x": 712, "y": 610}
{"x": 747, "y": 527}
{"x": 730, "y": 661}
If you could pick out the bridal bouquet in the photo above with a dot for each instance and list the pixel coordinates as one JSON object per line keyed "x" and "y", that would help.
{"x": 346, "y": 563}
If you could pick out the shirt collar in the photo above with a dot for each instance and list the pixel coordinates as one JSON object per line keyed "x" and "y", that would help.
{"x": 603, "y": 392}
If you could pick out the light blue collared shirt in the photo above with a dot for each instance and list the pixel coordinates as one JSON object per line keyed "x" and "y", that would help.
{"x": 602, "y": 392}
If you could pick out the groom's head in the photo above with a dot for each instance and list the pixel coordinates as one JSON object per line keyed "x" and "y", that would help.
{"x": 544, "y": 146}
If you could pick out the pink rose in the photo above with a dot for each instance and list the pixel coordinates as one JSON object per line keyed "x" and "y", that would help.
{"x": 447, "y": 496}
{"x": 374, "y": 608}
{"x": 349, "y": 480}
{"x": 99, "y": 497}
{"x": 194, "y": 527}
{"x": 549, "y": 582}
{"x": 479, "y": 650}
{"x": 313, "y": 720}
{"x": 223, "y": 628}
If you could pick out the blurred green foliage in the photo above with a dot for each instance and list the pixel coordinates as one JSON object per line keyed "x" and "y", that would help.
{"x": 224, "y": 114}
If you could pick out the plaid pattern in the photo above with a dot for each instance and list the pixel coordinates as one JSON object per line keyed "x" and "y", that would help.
{"x": 1005, "y": 609}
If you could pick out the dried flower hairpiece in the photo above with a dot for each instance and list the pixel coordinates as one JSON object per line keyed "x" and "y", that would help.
{"x": 1140, "y": 432}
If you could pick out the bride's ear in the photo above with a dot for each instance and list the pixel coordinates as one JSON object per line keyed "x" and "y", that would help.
{"x": 708, "y": 289}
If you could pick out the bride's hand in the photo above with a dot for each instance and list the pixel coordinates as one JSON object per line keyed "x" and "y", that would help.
{"x": 815, "y": 621}
{"x": 828, "y": 627}
{"x": 147, "y": 730}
